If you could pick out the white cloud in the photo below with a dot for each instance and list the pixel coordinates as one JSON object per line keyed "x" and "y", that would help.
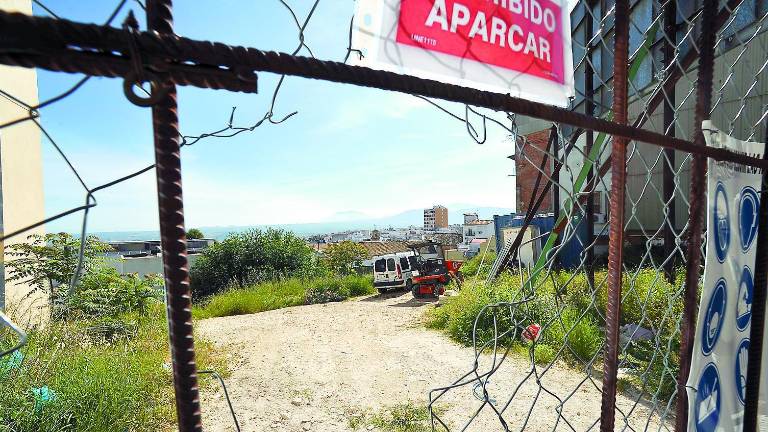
{"x": 355, "y": 113}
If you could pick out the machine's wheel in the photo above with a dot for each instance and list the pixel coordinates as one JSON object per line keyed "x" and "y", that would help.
{"x": 459, "y": 279}
{"x": 415, "y": 291}
{"x": 382, "y": 290}
{"x": 436, "y": 288}
{"x": 408, "y": 285}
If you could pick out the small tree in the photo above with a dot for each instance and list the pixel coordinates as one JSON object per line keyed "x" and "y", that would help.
{"x": 343, "y": 257}
{"x": 46, "y": 261}
{"x": 195, "y": 234}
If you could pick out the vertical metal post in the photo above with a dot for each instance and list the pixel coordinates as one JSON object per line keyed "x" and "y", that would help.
{"x": 668, "y": 176}
{"x": 174, "y": 242}
{"x": 554, "y": 143}
{"x": 757, "y": 328}
{"x": 589, "y": 108}
{"x": 2, "y": 232}
{"x": 616, "y": 240}
{"x": 696, "y": 216}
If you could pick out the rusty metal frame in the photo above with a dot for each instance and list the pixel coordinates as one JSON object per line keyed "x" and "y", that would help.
{"x": 668, "y": 109}
{"x": 616, "y": 224}
{"x": 696, "y": 214}
{"x": 165, "y": 121}
{"x": 167, "y": 60}
{"x": 62, "y": 45}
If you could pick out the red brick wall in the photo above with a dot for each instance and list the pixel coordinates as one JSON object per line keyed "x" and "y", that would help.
{"x": 527, "y": 161}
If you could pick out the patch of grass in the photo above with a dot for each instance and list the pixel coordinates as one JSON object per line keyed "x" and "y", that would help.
{"x": 403, "y": 417}
{"x": 473, "y": 267}
{"x": 283, "y": 293}
{"x": 356, "y": 418}
{"x": 121, "y": 383}
{"x": 258, "y": 298}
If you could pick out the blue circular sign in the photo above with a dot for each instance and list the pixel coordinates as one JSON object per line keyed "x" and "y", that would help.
{"x": 744, "y": 300}
{"x": 714, "y": 317}
{"x": 749, "y": 205}
{"x": 707, "y": 408}
{"x": 740, "y": 369}
{"x": 721, "y": 222}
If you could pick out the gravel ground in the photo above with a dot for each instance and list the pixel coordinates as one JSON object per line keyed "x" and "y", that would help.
{"x": 306, "y": 368}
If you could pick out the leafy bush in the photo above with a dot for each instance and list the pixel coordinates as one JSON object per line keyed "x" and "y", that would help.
{"x": 458, "y": 314}
{"x": 542, "y": 354}
{"x": 105, "y": 292}
{"x": 579, "y": 333}
{"x": 124, "y": 385}
{"x": 248, "y": 258}
{"x": 344, "y": 257}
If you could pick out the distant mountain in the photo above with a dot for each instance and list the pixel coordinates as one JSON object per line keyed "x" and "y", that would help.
{"x": 342, "y": 221}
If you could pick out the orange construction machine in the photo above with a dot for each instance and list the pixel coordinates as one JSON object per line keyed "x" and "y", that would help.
{"x": 435, "y": 272}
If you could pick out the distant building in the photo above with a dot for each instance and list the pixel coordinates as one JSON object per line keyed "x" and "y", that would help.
{"x": 378, "y": 248}
{"x": 142, "y": 248}
{"x": 470, "y": 217}
{"x": 435, "y": 217}
{"x": 478, "y": 229}
{"x": 144, "y": 257}
{"x": 449, "y": 240}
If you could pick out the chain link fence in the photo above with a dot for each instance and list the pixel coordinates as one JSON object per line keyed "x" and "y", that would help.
{"x": 555, "y": 312}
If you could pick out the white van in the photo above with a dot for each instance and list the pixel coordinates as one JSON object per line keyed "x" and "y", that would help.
{"x": 395, "y": 270}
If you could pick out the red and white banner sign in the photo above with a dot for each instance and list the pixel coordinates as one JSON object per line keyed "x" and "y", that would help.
{"x": 520, "y": 47}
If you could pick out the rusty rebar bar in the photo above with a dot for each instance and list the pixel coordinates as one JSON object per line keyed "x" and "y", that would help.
{"x": 589, "y": 109}
{"x": 668, "y": 160}
{"x": 173, "y": 236}
{"x": 696, "y": 215}
{"x": 616, "y": 228}
{"x": 21, "y": 34}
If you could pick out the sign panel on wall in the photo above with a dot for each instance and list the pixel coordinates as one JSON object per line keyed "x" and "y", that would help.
{"x": 519, "y": 47}
{"x": 717, "y": 381}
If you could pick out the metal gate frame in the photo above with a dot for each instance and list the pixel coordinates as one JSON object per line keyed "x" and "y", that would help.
{"x": 165, "y": 60}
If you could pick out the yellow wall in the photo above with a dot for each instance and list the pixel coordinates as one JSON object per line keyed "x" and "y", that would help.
{"x": 20, "y": 158}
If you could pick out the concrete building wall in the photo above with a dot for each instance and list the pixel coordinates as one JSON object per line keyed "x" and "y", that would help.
{"x": 21, "y": 165}
{"x": 478, "y": 229}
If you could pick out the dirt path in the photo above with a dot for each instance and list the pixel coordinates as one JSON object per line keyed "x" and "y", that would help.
{"x": 306, "y": 368}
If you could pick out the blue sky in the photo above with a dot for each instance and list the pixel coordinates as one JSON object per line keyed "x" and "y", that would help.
{"x": 349, "y": 149}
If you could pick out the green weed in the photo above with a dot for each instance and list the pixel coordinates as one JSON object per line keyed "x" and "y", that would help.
{"x": 403, "y": 417}
{"x": 283, "y": 293}
{"x": 94, "y": 384}
{"x": 570, "y": 312}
